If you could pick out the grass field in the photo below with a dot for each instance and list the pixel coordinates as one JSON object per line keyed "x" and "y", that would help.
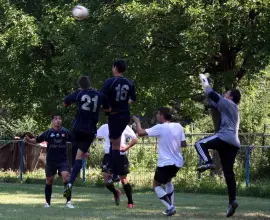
{"x": 24, "y": 202}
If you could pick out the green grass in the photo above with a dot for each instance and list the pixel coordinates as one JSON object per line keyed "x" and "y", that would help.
{"x": 25, "y": 202}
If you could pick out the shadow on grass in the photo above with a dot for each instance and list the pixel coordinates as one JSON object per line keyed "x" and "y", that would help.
{"x": 96, "y": 210}
{"x": 25, "y": 202}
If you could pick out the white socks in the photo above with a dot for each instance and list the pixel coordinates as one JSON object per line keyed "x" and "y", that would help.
{"x": 162, "y": 195}
{"x": 170, "y": 191}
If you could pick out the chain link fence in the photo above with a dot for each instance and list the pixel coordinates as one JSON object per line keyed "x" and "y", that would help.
{"x": 23, "y": 162}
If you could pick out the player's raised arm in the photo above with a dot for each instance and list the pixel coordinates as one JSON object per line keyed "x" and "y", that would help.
{"x": 132, "y": 98}
{"x": 183, "y": 138}
{"x": 70, "y": 98}
{"x": 217, "y": 100}
{"x": 141, "y": 132}
{"x": 208, "y": 90}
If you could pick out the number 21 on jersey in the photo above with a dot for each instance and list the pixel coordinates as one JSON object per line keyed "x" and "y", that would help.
{"x": 88, "y": 100}
{"x": 121, "y": 92}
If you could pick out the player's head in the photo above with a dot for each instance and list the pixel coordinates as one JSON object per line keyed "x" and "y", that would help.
{"x": 164, "y": 114}
{"x": 119, "y": 67}
{"x": 56, "y": 120}
{"x": 234, "y": 95}
{"x": 84, "y": 82}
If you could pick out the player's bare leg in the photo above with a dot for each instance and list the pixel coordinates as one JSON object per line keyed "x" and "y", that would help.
{"x": 128, "y": 191}
{"x": 116, "y": 144}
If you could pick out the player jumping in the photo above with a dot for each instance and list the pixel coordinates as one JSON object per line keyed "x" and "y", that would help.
{"x": 84, "y": 129}
{"x": 225, "y": 141}
{"x": 56, "y": 160}
{"x": 171, "y": 138}
{"x": 128, "y": 133}
{"x": 120, "y": 92}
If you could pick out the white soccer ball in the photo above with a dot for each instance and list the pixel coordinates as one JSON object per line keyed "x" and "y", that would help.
{"x": 80, "y": 13}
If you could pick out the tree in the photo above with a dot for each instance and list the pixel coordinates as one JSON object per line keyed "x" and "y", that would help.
{"x": 166, "y": 45}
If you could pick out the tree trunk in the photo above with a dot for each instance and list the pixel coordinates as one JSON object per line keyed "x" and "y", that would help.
{"x": 216, "y": 118}
{"x": 216, "y": 121}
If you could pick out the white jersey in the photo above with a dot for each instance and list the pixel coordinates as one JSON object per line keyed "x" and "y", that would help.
{"x": 170, "y": 135}
{"x": 103, "y": 132}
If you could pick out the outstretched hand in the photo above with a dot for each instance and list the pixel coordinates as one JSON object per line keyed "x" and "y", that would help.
{"x": 136, "y": 119}
{"x": 26, "y": 139}
{"x": 204, "y": 80}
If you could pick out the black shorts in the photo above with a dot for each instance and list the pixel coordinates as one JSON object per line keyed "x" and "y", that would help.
{"x": 124, "y": 165}
{"x": 117, "y": 123}
{"x": 82, "y": 140}
{"x": 106, "y": 164}
{"x": 52, "y": 169}
{"x": 164, "y": 174}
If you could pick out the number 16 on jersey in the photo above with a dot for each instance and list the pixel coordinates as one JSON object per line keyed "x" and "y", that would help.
{"x": 121, "y": 92}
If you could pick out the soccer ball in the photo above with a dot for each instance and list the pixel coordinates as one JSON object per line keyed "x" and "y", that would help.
{"x": 80, "y": 13}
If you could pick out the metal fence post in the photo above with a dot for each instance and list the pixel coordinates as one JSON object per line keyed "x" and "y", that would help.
{"x": 248, "y": 165}
{"x": 83, "y": 169}
{"x": 200, "y": 163}
{"x": 21, "y": 159}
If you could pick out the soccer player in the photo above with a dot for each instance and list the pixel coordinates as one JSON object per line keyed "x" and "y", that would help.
{"x": 120, "y": 92}
{"x": 56, "y": 160}
{"x": 171, "y": 138}
{"x": 225, "y": 141}
{"x": 89, "y": 102}
{"x": 128, "y": 133}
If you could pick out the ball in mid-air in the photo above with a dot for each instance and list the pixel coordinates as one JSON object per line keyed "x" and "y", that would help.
{"x": 80, "y": 13}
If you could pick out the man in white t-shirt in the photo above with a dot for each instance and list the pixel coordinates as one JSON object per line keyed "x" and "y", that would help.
{"x": 128, "y": 133}
{"x": 171, "y": 138}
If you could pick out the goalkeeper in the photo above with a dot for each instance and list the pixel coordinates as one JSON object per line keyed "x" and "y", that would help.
{"x": 225, "y": 141}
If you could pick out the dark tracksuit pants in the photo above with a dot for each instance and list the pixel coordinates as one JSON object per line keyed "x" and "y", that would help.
{"x": 227, "y": 154}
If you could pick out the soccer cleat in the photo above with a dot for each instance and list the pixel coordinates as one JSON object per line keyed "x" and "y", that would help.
{"x": 117, "y": 198}
{"x": 69, "y": 205}
{"x": 231, "y": 209}
{"x": 170, "y": 212}
{"x": 130, "y": 206}
{"x": 46, "y": 205}
{"x": 67, "y": 191}
{"x": 208, "y": 166}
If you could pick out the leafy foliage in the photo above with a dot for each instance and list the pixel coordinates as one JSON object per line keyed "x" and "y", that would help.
{"x": 166, "y": 45}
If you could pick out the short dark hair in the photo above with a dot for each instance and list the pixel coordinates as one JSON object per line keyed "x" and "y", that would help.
{"x": 166, "y": 112}
{"x": 120, "y": 65}
{"x": 235, "y": 93}
{"x": 84, "y": 82}
{"x": 55, "y": 114}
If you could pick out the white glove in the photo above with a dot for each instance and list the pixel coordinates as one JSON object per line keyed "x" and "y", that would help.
{"x": 204, "y": 81}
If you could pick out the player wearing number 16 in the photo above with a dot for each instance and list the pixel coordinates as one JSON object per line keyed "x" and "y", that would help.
{"x": 120, "y": 92}
{"x": 84, "y": 128}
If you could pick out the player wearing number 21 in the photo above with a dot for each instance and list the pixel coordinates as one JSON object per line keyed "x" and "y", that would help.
{"x": 84, "y": 128}
{"x": 120, "y": 92}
